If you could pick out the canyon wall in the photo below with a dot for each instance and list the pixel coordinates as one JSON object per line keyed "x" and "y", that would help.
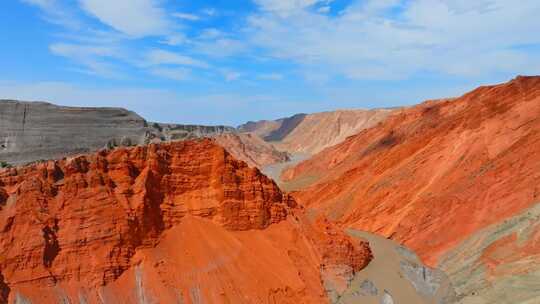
{"x": 182, "y": 221}
{"x": 31, "y": 131}
{"x": 453, "y": 179}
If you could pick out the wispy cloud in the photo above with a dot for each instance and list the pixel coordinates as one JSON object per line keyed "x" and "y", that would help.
{"x": 396, "y": 39}
{"x": 185, "y": 16}
{"x": 324, "y": 9}
{"x": 56, "y": 13}
{"x": 178, "y": 74}
{"x": 92, "y": 58}
{"x": 321, "y": 39}
{"x": 161, "y": 57}
{"x": 103, "y": 52}
{"x": 74, "y": 50}
{"x": 285, "y": 7}
{"x": 174, "y": 39}
{"x": 137, "y": 18}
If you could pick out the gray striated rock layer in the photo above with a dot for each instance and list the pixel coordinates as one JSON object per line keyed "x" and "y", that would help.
{"x": 31, "y": 131}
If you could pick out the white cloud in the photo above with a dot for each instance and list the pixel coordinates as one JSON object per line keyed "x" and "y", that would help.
{"x": 56, "y": 13}
{"x": 137, "y": 18}
{"x": 368, "y": 39}
{"x": 285, "y": 7}
{"x": 211, "y": 33}
{"x": 162, "y": 57}
{"x": 221, "y": 47}
{"x": 175, "y": 39}
{"x": 392, "y": 39}
{"x": 90, "y": 57}
{"x": 215, "y": 43}
{"x": 74, "y": 50}
{"x": 178, "y": 74}
{"x": 185, "y": 16}
{"x": 324, "y": 9}
{"x": 93, "y": 37}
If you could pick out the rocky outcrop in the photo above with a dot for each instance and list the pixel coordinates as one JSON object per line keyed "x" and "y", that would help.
{"x": 181, "y": 221}
{"x": 174, "y": 132}
{"x": 31, "y": 131}
{"x": 251, "y": 149}
{"x": 434, "y": 175}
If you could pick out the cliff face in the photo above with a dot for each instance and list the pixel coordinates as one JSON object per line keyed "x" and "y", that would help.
{"x": 34, "y": 130}
{"x": 439, "y": 176}
{"x": 31, "y": 131}
{"x": 174, "y": 132}
{"x": 183, "y": 221}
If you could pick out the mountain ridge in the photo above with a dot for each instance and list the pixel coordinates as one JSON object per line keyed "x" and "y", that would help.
{"x": 435, "y": 176}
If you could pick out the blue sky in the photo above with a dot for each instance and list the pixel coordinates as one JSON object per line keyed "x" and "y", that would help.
{"x": 226, "y": 62}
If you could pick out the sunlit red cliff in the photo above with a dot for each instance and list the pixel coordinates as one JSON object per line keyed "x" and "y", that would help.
{"x": 457, "y": 180}
{"x": 183, "y": 221}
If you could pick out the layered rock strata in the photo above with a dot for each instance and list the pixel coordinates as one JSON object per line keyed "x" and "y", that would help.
{"x": 447, "y": 178}
{"x": 32, "y": 131}
{"x": 182, "y": 221}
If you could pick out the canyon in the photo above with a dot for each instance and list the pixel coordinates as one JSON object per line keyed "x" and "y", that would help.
{"x": 456, "y": 180}
{"x": 182, "y": 222}
{"x": 433, "y": 203}
{"x": 34, "y": 131}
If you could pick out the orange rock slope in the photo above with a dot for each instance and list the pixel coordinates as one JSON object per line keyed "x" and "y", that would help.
{"x": 432, "y": 175}
{"x": 179, "y": 222}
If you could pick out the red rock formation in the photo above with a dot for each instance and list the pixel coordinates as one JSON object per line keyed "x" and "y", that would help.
{"x": 432, "y": 175}
{"x": 166, "y": 223}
